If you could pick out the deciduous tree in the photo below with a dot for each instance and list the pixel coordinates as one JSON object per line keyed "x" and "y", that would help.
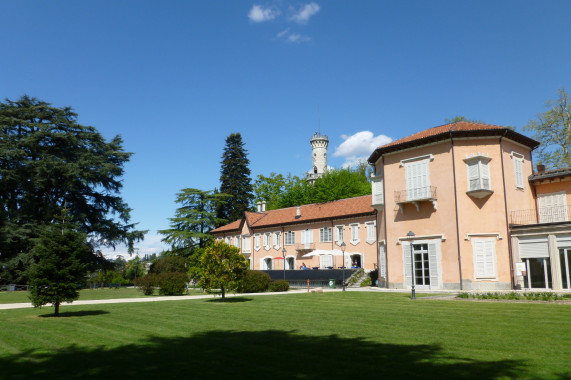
{"x": 553, "y": 130}
{"x": 222, "y": 267}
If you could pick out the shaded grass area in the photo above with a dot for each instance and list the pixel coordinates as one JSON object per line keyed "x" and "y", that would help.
{"x": 87, "y": 294}
{"x": 309, "y": 336}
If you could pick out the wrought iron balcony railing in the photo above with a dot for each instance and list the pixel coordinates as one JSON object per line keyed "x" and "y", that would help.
{"x": 554, "y": 214}
{"x": 418, "y": 194}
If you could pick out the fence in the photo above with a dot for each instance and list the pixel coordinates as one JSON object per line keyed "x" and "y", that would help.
{"x": 13, "y": 288}
{"x": 553, "y": 214}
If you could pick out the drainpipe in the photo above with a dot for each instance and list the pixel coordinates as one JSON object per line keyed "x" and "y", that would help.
{"x": 385, "y": 222}
{"x": 456, "y": 210}
{"x": 509, "y": 236}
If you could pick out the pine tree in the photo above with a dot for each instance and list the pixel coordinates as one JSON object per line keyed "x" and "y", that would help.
{"x": 63, "y": 258}
{"x": 194, "y": 219}
{"x": 235, "y": 179}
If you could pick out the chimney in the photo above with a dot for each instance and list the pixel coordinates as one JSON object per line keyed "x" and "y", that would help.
{"x": 298, "y": 212}
{"x": 263, "y": 206}
{"x": 540, "y": 168}
{"x": 259, "y": 204}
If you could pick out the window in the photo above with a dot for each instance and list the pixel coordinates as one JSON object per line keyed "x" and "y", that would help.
{"x": 552, "y": 207}
{"x": 354, "y": 233}
{"x": 426, "y": 264}
{"x": 371, "y": 232}
{"x": 277, "y": 240}
{"x": 257, "y": 242}
{"x": 237, "y": 241}
{"x": 377, "y": 190}
{"x": 267, "y": 263}
{"x": 246, "y": 244}
{"x": 484, "y": 258}
{"x": 228, "y": 240}
{"x": 417, "y": 180}
{"x": 478, "y": 175}
{"x": 325, "y": 234}
{"x": 339, "y": 237}
{"x": 307, "y": 237}
{"x": 518, "y": 168}
{"x": 267, "y": 240}
{"x": 289, "y": 238}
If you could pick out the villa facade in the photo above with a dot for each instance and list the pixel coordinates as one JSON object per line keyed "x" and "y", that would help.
{"x": 267, "y": 237}
{"x": 457, "y": 206}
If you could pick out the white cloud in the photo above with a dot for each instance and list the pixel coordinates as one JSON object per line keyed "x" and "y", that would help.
{"x": 260, "y": 14}
{"x": 358, "y": 147}
{"x": 297, "y": 38}
{"x": 303, "y": 15}
{"x": 151, "y": 244}
{"x": 282, "y": 33}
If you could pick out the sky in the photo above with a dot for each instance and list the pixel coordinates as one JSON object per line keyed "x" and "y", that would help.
{"x": 175, "y": 78}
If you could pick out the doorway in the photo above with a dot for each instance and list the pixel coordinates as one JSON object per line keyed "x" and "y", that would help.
{"x": 538, "y": 274}
{"x": 421, "y": 264}
{"x": 565, "y": 262}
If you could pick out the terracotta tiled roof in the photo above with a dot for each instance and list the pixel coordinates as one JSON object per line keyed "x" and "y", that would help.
{"x": 546, "y": 174}
{"x": 444, "y": 132}
{"x": 308, "y": 213}
{"x": 234, "y": 226}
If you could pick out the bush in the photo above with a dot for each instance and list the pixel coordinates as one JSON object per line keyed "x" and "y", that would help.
{"x": 168, "y": 264}
{"x": 147, "y": 284}
{"x": 255, "y": 282}
{"x": 366, "y": 282}
{"x": 279, "y": 286}
{"x": 172, "y": 284}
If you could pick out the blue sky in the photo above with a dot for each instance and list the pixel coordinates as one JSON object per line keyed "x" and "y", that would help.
{"x": 174, "y": 78}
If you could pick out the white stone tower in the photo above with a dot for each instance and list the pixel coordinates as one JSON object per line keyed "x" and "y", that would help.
{"x": 319, "y": 144}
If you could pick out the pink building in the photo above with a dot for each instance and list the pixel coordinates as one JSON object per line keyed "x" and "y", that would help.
{"x": 457, "y": 206}
{"x": 265, "y": 237}
{"x": 458, "y": 188}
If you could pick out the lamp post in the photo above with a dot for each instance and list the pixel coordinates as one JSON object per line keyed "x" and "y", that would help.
{"x": 343, "y": 249}
{"x": 283, "y": 254}
{"x": 411, "y": 235}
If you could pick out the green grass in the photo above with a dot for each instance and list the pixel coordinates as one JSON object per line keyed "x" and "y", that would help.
{"x": 87, "y": 294}
{"x": 305, "y": 336}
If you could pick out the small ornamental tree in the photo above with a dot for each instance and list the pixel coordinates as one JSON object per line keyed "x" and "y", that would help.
{"x": 222, "y": 267}
{"x": 62, "y": 263}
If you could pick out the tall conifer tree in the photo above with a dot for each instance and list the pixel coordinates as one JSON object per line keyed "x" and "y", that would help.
{"x": 235, "y": 179}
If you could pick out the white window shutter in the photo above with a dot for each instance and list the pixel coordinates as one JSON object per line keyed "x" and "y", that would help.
{"x": 485, "y": 174}
{"x": 518, "y": 172}
{"x": 473, "y": 176}
{"x": 433, "y": 266}
{"x": 382, "y": 262}
{"x": 480, "y": 261}
{"x": 489, "y": 258}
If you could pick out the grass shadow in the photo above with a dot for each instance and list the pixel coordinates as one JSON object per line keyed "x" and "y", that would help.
{"x": 265, "y": 354}
{"x": 230, "y": 300}
{"x": 67, "y": 314}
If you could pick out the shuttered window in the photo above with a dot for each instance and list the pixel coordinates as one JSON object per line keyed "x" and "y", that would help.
{"x": 257, "y": 242}
{"x": 417, "y": 180}
{"x": 277, "y": 240}
{"x": 552, "y": 207}
{"x": 484, "y": 258}
{"x": 377, "y": 189}
{"x": 434, "y": 257}
{"x": 325, "y": 234}
{"x": 289, "y": 238}
{"x": 246, "y": 244}
{"x": 339, "y": 234}
{"x": 267, "y": 240}
{"x": 518, "y": 166}
{"x": 306, "y": 237}
{"x": 382, "y": 262}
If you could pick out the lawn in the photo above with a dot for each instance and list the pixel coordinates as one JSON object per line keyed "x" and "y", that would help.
{"x": 305, "y": 336}
{"x": 87, "y": 294}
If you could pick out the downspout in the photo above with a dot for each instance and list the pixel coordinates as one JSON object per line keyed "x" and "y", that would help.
{"x": 509, "y": 237}
{"x": 385, "y": 221}
{"x": 456, "y": 211}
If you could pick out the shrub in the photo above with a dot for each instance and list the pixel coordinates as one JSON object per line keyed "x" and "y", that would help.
{"x": 167, "y": 264}
{"x": 279, "y": 286}
{"x": 172, "y": 283}
{"x": 146, "y": 284}
{"x": 366, "y": 282}
{"x": 255, "y": 282}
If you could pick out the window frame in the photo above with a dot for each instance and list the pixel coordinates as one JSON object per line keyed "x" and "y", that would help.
{"x": 325, "y": 234}
{"x": 289, "y": 238}
{"x": 354, "y": 230}
{"x": 371, "y": 226}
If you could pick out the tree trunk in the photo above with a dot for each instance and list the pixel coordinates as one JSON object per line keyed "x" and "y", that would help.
{"x": 56, "y": 312}
{"x": 223, "y": 293}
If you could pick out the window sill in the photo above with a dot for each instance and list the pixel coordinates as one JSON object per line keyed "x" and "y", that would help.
{"x": 480, "y": 193}
{"x": 371, "y": 241}
{"x": 355, "y": 242}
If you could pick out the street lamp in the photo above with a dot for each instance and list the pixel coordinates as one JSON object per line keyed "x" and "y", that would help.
{"x": 283, "y": 254}
{"x": 410, "y": 236}
{"x": 343, "y": 249}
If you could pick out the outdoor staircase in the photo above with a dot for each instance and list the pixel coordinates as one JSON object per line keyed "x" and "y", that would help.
{"x": 357, "y": 278}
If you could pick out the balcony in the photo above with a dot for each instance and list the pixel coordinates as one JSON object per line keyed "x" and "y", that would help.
{"x": 554, "y": 214}
{"x": 305, "y": 247}
{"x": 415, "y": 196}
{"x": 479, "y": 188}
